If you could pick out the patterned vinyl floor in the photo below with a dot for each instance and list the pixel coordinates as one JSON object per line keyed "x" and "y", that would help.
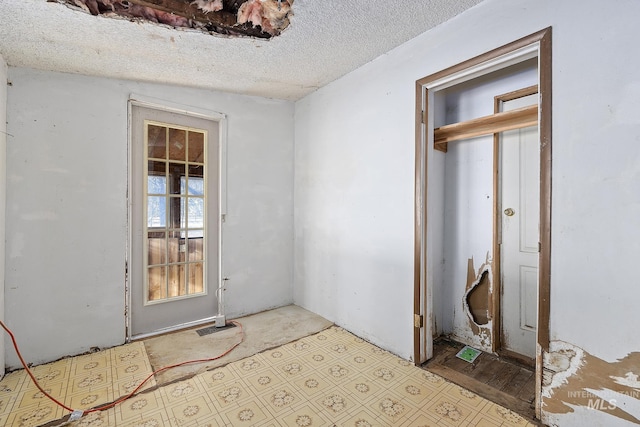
{"x": 331, "y": 379}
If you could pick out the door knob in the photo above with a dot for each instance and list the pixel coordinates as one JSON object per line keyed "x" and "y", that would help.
{"x": 509, "y": 212}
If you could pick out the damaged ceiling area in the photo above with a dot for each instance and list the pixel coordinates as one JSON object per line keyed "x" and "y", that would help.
{"x": 268, "y": 48}
{"x": 253, "y": 18}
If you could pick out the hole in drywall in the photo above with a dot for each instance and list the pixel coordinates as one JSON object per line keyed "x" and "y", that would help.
{"x": 478, "y": 299}
{"x": 250, "y": 18}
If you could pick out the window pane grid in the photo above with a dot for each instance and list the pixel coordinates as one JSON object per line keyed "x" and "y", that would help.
{"x": 175, "y": 212}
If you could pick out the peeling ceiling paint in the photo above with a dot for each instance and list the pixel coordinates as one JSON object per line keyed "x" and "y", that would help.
{"x": 324, "y": 40}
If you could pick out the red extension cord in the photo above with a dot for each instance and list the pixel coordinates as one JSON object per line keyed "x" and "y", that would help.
{"x": 104, "y": 407}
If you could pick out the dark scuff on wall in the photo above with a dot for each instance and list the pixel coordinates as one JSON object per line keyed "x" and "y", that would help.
{"x": 241, "y": 18}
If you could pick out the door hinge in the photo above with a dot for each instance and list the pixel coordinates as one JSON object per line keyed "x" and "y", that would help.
{"x": 418, "y": 321}
{"x": 422, "y": 117}
{"x": 539, "y": 247}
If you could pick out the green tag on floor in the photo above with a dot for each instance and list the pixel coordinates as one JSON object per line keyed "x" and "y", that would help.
{"x": 468, "y": 354}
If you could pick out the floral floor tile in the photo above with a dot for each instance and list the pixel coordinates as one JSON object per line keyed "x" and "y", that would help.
{"x": 332, "y": 378}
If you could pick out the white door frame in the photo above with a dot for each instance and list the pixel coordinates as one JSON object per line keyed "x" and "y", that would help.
{"x": 221, "y": 118}
{"x": 536, "y": 45}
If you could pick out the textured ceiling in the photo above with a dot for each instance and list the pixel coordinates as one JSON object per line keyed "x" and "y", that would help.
{"x": 325, "y": 40}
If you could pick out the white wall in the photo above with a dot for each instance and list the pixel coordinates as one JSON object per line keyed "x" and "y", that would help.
{"x": 67, "y": 206}
{"x": 355, "y": 163}
{"x": 353, "y": 208}
{"x": 3, "y": 191}
{"x": 468, "y": 229}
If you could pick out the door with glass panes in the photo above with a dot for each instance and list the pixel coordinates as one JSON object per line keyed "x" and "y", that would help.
{"x": 174, "y": 220}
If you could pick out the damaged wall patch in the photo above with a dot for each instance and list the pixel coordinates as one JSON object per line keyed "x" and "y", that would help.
{"x": 478, "y": 294}
{"x": 477, "y": 299}
{"x": 573, "y": 377}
